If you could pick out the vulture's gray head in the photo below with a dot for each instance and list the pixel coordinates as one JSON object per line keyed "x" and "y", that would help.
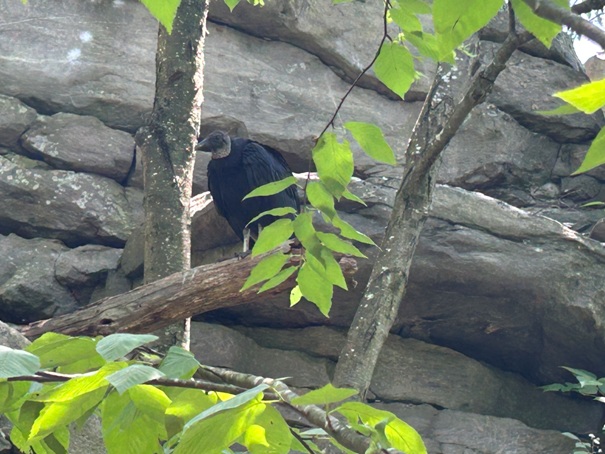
{"x": 217, "y": 142}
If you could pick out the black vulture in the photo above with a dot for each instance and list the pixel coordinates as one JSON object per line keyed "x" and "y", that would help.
{"x": 239, "y": 166}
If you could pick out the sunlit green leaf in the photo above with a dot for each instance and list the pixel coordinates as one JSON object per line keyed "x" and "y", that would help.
{"x": 273, "y": 236}
{"x": 133, "y": 422}
{"x": 315, "y": 288}
{"x": 543, "y": 29}
{"x": 295, "y": 296}
{"x": 163, "y": 10}
{"x": 118, "y": 345}
{"x": 405, "y": 19}
{"x": 325, "y": 395}
{"x": 350, "y": 196}
{"x": 588, "y": 97}
{"x": 280, "y": 277}
{"x": 565, "y": 109}
{"x": 348, "y": 231}
{"x": 370, "y": 139}
{"x": 321, "y": 198}
{"x": 133, "y": 375}
{"x": 415, "y": 6}
{"x": 305, "y": 233}
{"x": 595, "y": 156}
{"x": 277, "y": 212}
{"x": 395, "y": 68}
{"x": 14, "y": 363}
{"x": 217, "y": 432}
{"x": 332, "y": 269}
{"x": 272, "y": 188}
{"x": 334, "y": 162}
{"x": 232, "y": 3}
{"x": 337, "y": 244}
{"x": 12, "y": 395}
{"x": 428, "y": 46}
{"x": 400, "y": 435}
{"x": 266, "y": 269}
{"x": 186, "y": 403}
{"x": 179, "y": 363}
{"x": 455, "y": 21}
{"x": 68, "y": 354}
{"x": 270, "y": 434}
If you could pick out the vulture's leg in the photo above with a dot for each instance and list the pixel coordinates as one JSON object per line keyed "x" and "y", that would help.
{"x": 246, "y": 239}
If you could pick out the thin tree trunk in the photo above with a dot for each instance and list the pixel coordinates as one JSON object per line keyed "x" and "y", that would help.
{"x": 168, "y": 150}
{"x": 439, "y": 120}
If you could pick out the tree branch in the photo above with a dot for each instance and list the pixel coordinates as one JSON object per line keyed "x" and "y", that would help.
{"x": 181, "y": 295}
{"x": 548, "y": 10}
{"x": 587, "y": 6}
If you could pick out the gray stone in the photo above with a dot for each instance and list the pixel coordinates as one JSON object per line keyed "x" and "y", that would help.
{"x": 115, "y": 283}
{"x": 580, "y": 188}
{"x": 16, "y": 118}
{"x": 412, "y": 371}
{"x": 26, "y": 163}
{"x": 81, "y": 143}
{"x": 281, "y": 103}
{"x": 532, "y": 74}
{"x": 10, "y": 337}
{"x": 456, "y": 432}
{"x": 102, "y": 64}
{"x": 491, "y": 150}
{"x": 28, "y": 288}
{"x": 217, "y": 345}
{"x": 324, "y": 29}
{"x": 598, "y": 231}
{"x": 571, "y": 157}
{"x": 74, "y": 207}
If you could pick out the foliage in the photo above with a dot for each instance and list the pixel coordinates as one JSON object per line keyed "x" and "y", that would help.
{"x": 587, "y": 385}
{"x": 142, "y": 413}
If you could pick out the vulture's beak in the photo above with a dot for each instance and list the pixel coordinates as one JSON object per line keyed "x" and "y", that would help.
{"x": 203, "y": 145}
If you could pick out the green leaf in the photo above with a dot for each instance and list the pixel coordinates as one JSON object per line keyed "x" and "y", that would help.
{"x": 334, "y": 163}
{"x": 306, "y": 234}
{"x": 133, "y": 422}
{"x": 588, "y": 97}
{"x": 332, "y": 269}
{"x": 130, "y": 376}
{"x": 404, "y": 18}
{"x": 370, "y": 139}
{"x": 428, "y": 46}
{"x": 12, "y": 395}
{"x": 163, "y": 10}
{"x": 270, "y": 434}
{"x": 277, "y": 212}
{"x": 295, "y": 296}
{"x": 267, "y": 268}
{"x": 236, "y": 401}
{"x": 315, "y": 288}
{"x": 118, "y": 345}
{"x": 395, "y": 68}
{"x": 272, "y": 188}
{"x": 595, "y": 156}
{"x": 415, "y": 6}
{"x": 280, "y": 277}
{"x": 210, "y": 435}
{"x": 337, "y": 244}
{"x": 14, "y": 363}
{"x": 232, "y": 3}
{"x": 455, "y": 21}
{"x": 273, "y": 236}
{"x": 400, "y": 435}
{"x": 320, "y": 198}
{"x": 179, "y": 363}
{"x": 186, "y": 403}
{"x": 68, "y": 354}
{"x": 348, "y": 231}
{"x": 565, "y": 109}
{"x": 325, "y": 395}
{"x": 543, "y": 29}
{"x": 352, "y": 197}
{"x": 593, "y": 204}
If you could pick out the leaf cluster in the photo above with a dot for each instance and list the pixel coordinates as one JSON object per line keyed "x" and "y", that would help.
{"x": 60, "y": 380}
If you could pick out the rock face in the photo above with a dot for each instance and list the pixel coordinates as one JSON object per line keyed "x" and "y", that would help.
{"x": 499, "y": 298}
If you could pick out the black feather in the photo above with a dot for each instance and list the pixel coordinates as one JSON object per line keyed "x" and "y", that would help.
{"x": 247, "y": 166}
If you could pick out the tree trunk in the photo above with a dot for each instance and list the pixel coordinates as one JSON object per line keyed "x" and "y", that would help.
{"x": 439, "y": 120}
{"x": 168, "y": 146}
